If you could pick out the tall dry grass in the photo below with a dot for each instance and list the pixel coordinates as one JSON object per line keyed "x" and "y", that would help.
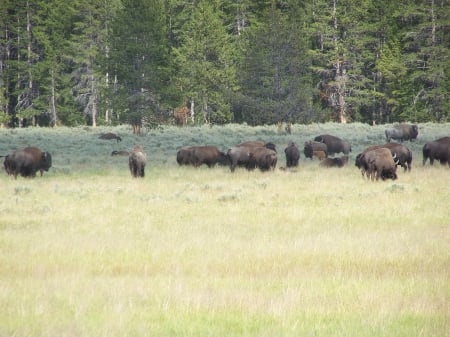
{"x": 89, "y": 251}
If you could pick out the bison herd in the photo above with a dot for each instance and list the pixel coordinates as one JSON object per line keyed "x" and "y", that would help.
{"x": 375, "y": 162}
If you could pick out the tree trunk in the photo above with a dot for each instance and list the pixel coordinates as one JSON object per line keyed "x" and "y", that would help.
{"x": 94, "y": 102}
{"x": 53, "y": 101}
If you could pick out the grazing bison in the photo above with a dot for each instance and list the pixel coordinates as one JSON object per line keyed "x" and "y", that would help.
{"x": 402, "y": 132}
{"x": 184, "y": 156}
{"x": 402, "y": 154}
{"x": 109, "y": 136}
{"x": 209, "y": 155}
{"x": 334, "y": 162}
{"x": 292, "y": 155}
{"x": 334, "y": 144}
{"x": 438, "y": 149}
{"x": 27, "y": 162}
{"x": 198, "y": 155}
{"x": 263, "y": 158}
{"x": 119, "y": 153}
{"x": 243, "y": 154}
{"x": 380, "y": 164}
{"x": 137, "y": 161}
{"x": 239, "y": 156}
{"x": 313, "y": 146}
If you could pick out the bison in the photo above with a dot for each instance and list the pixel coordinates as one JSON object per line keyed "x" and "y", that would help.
{"x": 379, "y": 163}
{"x": 109, "y": 136}
{"x": 241, "y": 155}
{"x": 334, "y": 144}
{"x": 292, "y": 155}
{"x": 258, "y": 143}
{"x": 209, "y": 155}
{"x": 438, "y": 149}
{"x": 119, "y": 153}
{"x": 27, "y": 162}
{"x": 184, "y": 156}
{"x": 321, "y": 155}
{"x": 137, "y": 161}
{"x": 263, "y": 158}
{"x": 402, "y": 132}
{"x": 313, "y": 146}
{"x": 334, "y": 162}
{"x": 198, "y": 155}
{"x": 7, "y": 164}
{"x": 402, "y": 154}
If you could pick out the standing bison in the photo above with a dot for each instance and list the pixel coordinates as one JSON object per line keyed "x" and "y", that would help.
{"x": 402, "y": 132}
{"x": 249, "y": 155}
{"x": 239, "y": 156}
{"x": 292, "y": 155}
{"x": 263, "y": 158}
{"x": 26, "y": 162}
{"x": 184, "y": 156}
{"x": 137, "y": 161}
{"x": 199, "y": 155}
{"x": 402, "y": 154}
{"x": 378, "y": 163}
{"x": 315, "y": 149}
{"x": 334, "y": 144}
{"x": 438, "y": 149}
{"x": 208, "y": 155}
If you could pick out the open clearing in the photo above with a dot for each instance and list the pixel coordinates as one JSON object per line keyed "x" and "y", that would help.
{"x": 88, "y": 251}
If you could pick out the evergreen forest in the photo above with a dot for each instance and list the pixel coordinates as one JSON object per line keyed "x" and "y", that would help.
{"x": 155, "y": 62}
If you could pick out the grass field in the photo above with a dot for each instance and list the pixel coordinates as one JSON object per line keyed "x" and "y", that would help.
{"x": 88, "y": 251}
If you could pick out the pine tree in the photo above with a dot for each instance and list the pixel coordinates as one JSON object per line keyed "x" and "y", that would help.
{"x": 205, "y": 58}
{"x": 139, "y": 60}
{"x": 273, "y": 77}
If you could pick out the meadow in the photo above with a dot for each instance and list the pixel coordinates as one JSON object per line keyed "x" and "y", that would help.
{"x": 86, "y": 250}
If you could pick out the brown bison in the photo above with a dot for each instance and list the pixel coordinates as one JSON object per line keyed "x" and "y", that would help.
{"x": 239, "y": 156}
{"x": 243, "y": 154}
{"x": 334, "y": 162}
{"x": 438, "y": 149}
{"x": 402, "y": 154}
{"x": 292, "y": 155}
{"x": 199, "y": 155}
{"x": 263, "y": 158}
{"x": 26, "y": 162}
{"x": 137, "y": 161}
{"x": 208, "y": 155}
{"x": 379, "y": 163}
{"x": 184, "y": 156}
{"x": 109, "y": 136}
{"x": 402, "y": 132}
{"x": 334, "y": 144}
{"x": 258, "y": 143}
{"x": 313, "y": 146}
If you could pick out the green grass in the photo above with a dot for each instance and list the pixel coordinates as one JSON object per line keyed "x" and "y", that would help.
{"x": 88, "y": 251}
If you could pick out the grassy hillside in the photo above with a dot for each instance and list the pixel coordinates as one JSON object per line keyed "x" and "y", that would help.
{"x": 88, "y": 251}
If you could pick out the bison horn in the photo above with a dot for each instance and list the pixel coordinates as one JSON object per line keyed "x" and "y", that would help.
{"x": 396, "y": 160}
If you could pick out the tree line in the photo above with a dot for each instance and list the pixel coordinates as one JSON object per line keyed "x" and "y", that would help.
{"x": 243, "y": 61}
